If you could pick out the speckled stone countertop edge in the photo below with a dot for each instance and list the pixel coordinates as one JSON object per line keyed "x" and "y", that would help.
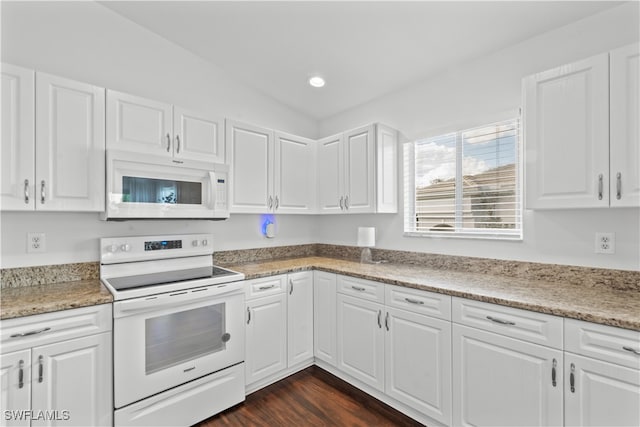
{"x": 274, "y": 267}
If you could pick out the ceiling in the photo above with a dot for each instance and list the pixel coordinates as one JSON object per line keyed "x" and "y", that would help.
{"x": 363, "y": 49}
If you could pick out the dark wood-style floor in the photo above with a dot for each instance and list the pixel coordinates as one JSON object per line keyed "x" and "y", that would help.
{"x": 312, "y": 397}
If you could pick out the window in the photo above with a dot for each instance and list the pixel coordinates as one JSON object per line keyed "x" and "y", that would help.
{"x": 465, "y": 184}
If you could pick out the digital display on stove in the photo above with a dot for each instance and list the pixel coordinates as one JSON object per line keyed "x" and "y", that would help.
{"x": 162, "y": 244}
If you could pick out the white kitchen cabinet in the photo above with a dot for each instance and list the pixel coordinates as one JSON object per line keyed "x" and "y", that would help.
{"x": 602, "y": 375}
{"x": 361, "y": 340}
{"x": 324, "y": 316}
{"x": 18, "y": 138}
{"x": 64, "y": 360}
{"x": 625, "y": 126}
{"x": 152, "y": 127}
{"x": 357, "y": 171}
{"x": 270, "y": 171}
{"x": 300, "y": 318}
{"x": 62, "y": 169}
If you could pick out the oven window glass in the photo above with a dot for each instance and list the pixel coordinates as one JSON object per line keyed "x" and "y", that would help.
{"x": 178, "y": 337}
{"x": 148, "y": 190}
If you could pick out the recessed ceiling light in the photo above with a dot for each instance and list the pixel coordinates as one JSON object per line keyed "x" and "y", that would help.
{"x": 316, "y": 81}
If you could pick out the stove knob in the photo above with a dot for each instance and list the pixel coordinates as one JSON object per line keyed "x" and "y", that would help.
{"x": 125, "y": 247}
{"x": 205, "y": 242}
{"x": 112, "y": 248}
{"x": 194, "y": 243}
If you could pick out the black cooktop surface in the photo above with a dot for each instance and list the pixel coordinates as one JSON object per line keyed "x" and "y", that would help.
{"x": 166, "y": 277}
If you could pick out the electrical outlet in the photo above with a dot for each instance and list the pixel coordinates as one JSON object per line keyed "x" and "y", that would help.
{"x": 605, "y": 243}
{"x": 36, "y": 242}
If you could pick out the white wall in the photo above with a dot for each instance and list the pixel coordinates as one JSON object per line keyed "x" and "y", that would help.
{"x": 482, "y": 91}
{"x": 88, "y": 42}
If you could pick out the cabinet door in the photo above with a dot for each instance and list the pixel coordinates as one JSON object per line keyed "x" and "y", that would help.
{"x": 361, "y": 340}
{"x": 74, "y": 378}
{"x": 501, "y": 381}
{"x": 360, "y": 177}
{"x": 625, "y": 126}
{"x": 418, "y": 363}
{"x": 198, "y": 136}
{"x": 330, "y": 175}
{"x": 300, "y": 318}
{"x": 15, "y": 386}
{"x": 567, "y": 136}
{"x": 295, "y": 174}
{"x": 138, "y": 124}
{"x": 604, "y": 394}
{"x": 324, "y": 316}
{"x": 266, "y": 349}
{"x": 70, "y": 147}
{"x": 250, "y": 156}
{"x": 18, "y": 139}
{"x": 387, "y": 169}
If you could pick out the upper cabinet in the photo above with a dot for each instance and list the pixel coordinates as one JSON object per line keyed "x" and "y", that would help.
{"x": 357, "y": 171}
{"x": 572, "y": 159}
{"x": 64, "y": 169}
{"x": 270, "y": 171}
{"x": 152, "y": 127}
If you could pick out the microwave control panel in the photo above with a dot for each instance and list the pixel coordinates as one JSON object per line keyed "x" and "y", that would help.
{"x": 221, "y": 191}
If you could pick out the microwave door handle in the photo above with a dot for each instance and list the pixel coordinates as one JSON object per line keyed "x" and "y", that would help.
{"x": 212, "y": 197}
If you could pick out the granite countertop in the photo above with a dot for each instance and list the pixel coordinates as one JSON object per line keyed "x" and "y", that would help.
{"x": 593, "y": 303}
{"x": 28, "y": 300}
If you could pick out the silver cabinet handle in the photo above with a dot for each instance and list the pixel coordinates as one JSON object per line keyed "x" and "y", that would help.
{"x": 277, "y": 203}
{"x": 618, "y": 186}
{"x": 346, "y": 202}
{"x": 262, "y": 288}
{"x": 248, "y": 315}
{"x": 21, "y": 374}
{"x": 379, "y": 319}
{"x": 177, "y": 143}
{"x": 500, "y": 321}
{"x": 26, "y": 191}
{"x": 270, "y": 202}
{"x": 25, "y": 334}
{"x": 291, "y": 286}
{"x": 341, "y": 203}
{"x": 358, "y": 288}
{"x": 40, "y": 369}
{"x": 386, "y": 321}
{"x": 600, "y": 185}
{"x": 414, "y": 301}
{"x": 632, "y": 350}
{"x": 553, "y": 372}
{"x": 168, "y": 143}
{"x": 42, "y": 191}
{"x": 572, "y": 378}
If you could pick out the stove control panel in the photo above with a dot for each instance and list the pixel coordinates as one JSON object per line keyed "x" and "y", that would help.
{"x": 140, "y": 248}
{"x": 156, "y": 245}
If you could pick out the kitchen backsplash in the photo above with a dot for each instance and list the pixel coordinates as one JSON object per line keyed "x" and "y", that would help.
{"x": 615, "y": 279}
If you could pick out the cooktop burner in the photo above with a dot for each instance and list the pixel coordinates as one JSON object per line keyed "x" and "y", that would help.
{"x": 166, "y": 277}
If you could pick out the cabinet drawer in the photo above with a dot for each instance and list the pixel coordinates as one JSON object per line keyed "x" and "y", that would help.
{"x": 417, "y": 301}
{"x": 607, "y": 343}
{"x": 29, "y": 331}
{"x": 361, "y": 288}
{"x": 526, "y": 325}
{"x": 265, "y": 286}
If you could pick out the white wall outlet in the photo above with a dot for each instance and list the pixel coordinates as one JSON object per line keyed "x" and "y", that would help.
{"x": 605, "y": 243}
{"x": 36, "y": 242}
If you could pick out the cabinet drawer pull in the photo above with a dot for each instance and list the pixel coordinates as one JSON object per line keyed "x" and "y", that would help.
{"x": 346, "y": 202}
{"x": 168, "y": 143}
{"x": 386, "y": 321}
{"x": 177, "y": 143}
{"x": 553, "y": 372}
{"x": 26, "y": 191}
{"x": 291, "y": 286}
{"x": 25, "y": 334}
{"x": 358, "y": 288}
{"x": 379, "y": 319}
{"x": 264, "y": 288}
{"x": 600, "y": 186}
{"x": 341, "y": 203}
{"x": 43, "y": 193}
{"x": 500, "y": 321}
{"x": 40, "y": 369}
{"x": 21, "y": 374}
{"x": 618, "y": 186}
{"x": 248, "y": 315}
{"x": 572, "y": 378}
{"x": 632, "y": 350}
{"x": 414, "y": 301}
{"x": 270, "y": 202}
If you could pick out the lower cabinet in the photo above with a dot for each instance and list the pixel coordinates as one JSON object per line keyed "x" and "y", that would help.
{"x": 49, "y": 380}
{"x": 324, "y": 317}
{"x": 299, "y": 318}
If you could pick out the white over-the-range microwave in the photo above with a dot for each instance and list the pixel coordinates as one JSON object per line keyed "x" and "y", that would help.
{"x": 143, "y": 186}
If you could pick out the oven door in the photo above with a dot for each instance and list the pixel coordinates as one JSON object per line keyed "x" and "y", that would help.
{"x": 143, "y": 186}
{"x": 165, "y": 340}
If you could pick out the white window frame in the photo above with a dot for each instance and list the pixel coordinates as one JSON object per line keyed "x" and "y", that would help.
{"x": 458, "y": 231}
